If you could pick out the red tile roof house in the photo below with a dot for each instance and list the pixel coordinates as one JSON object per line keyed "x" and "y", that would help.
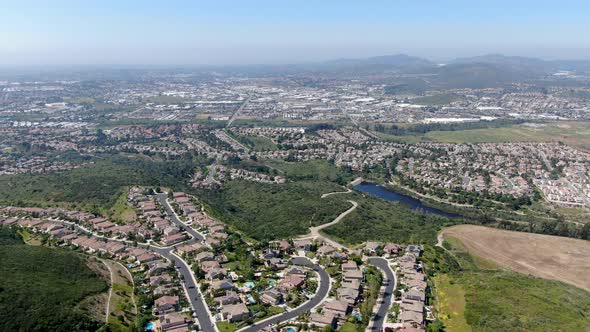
{"x": 49, "y": 226}
{"x": 230, "y": 297}
{"x": 59, "y": 233}
{"x": 282, "y": 245}
{"x": 166, "y": 304}
{"x": 190, "y": 249}
{"x": 349, "y": 266}
{"x": 177, "y": 194}
{"x": 174, "y": 238}
{"x": 30, "y": 223}
{"x": 147, "y": 257}
{"x": 105, "y": 226}
{"x": 9, "y": 221}
{"x": 323, "y": 319}
{"x": 353, "y": 275}
{"x": 216, "y": 228}
{"x": 160, "y": 280}
{"x": 414, "y": 295}
{"x": 69, "y": 237}
{"x": 125, "y": 230}
{"x": 210, "y": 240}
{"x": 392, "y": 248}
{"x": 96, "y": 221}
{"x": 133, "y": 253}
{"x": 115, "y": 248}
{"x": 204, "y": 256}
{"x": 217, "y": 285}
{"x": 181, "y": 200}
{"x": 173, "y": 322}
{"x": 171, "y": 229}
{"x": 235, "y": 312}
{"x": 337, "y": 307}
{"x": 271, "y": 297}
{"x": 348, "y": 295}
{"x": 220, "y": 235}
{"x": 412, "y": 317}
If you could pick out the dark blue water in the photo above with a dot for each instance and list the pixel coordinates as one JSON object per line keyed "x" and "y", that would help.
{"x": 384, "y": 193}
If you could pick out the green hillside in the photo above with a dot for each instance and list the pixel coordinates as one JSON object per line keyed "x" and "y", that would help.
{"x": 41, "y": 287}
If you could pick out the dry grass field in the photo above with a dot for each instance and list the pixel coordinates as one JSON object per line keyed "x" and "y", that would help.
{"x": 550, "y": 257}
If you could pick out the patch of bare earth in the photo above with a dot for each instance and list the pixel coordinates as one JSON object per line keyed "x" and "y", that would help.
{"x": 545, "y": 256}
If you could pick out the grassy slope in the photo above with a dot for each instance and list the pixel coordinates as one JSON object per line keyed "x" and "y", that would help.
{"x": 40, "y": 288}
{"x": 259, "y": 143}
{"x": 481, "y": 297}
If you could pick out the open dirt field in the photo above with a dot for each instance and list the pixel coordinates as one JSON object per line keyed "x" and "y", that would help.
{"x": 544, "y": 256}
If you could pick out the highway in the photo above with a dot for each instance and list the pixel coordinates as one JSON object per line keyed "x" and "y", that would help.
{"x": 390, "y": 284}
{"x": 322, "y": 292}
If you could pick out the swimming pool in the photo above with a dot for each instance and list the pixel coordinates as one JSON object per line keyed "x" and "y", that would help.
{"x": 249, "y": 284}
{"x": 150, "y": 326}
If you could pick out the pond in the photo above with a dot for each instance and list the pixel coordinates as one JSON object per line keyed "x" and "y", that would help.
{"x": 384, "y": 193}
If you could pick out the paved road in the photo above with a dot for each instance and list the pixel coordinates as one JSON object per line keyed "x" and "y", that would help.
{"x": 193, "y": 292}
{"x": 162, "y": 198}
{"x": 235, "y": 115}
{"x": 191, "y": 286}
{"x": 390, "y": 285}
{"x": 322, "y": 292}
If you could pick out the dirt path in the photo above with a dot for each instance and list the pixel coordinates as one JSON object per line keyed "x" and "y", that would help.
{"x": 108, "y": 306}
{"x": 123, "y": 268}
{"x": 544, "y": 256}
{"x": 314, "y": 232}
{"x": 348, "y": 191}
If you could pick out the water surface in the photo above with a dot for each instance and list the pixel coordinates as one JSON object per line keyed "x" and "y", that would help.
{"x": 415, "y": 204}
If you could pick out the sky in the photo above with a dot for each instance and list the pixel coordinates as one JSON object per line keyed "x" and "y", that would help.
{"x": 218, "y": 32}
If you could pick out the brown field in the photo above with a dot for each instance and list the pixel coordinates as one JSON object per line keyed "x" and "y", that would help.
{"x": 545, "y": 256}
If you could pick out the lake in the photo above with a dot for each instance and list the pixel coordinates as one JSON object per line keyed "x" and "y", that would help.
{"x": 384, "y": 193}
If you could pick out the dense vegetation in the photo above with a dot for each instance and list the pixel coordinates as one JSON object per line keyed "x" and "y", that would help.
{"x": 491, "y": 299}
{"x": 94, "y": 186}
{"x": 267, "y": 211}
{"x": 428, "y": 127}
{"x": 379, "y": 220}
{"x": 40, "y": 287}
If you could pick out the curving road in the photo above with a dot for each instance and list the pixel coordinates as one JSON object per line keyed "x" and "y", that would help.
{"x": 189, "y": 282}
{"x": 162, "y": 198}
{"x": 322, "y": 292}
{"x": 390, "y": 283}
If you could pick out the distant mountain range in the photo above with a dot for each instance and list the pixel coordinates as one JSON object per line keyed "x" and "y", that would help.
{"x": 491, "y": 70}
{"x": 509, "y": 62}
{"x": 397, "y": 60}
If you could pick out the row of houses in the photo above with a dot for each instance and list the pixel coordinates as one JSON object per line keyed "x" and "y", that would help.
{"x": 159, "y": 277}
{"x": 413, "y": 299}
{"x": 335, "y": 311}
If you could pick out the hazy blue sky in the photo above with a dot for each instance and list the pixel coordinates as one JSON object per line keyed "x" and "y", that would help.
{"x": 283, "y": 31}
